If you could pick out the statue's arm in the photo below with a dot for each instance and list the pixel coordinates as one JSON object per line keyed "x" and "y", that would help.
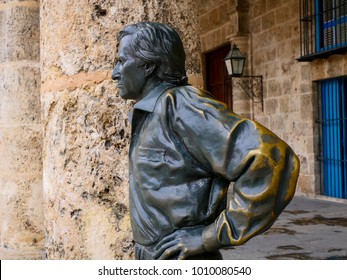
{"x": 263, "y": 168}
{"x": 264, "y": 184}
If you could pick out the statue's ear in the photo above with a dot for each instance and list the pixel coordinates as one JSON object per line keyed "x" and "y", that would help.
{"x": 149, "y": 69}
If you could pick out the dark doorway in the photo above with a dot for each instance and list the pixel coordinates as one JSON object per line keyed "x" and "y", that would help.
{"x": 218, "y": 81}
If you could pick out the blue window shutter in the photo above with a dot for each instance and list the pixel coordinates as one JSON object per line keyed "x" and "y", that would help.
{"x": 334, "y": 138}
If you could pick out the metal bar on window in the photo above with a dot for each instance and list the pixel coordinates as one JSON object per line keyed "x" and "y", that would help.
{"x": 323, "y": 28}
{"x": 311, "y": 25}
{"x": 301, "y": 33}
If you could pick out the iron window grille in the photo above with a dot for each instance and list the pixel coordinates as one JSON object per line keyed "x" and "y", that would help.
{"x": 323, "y": 28}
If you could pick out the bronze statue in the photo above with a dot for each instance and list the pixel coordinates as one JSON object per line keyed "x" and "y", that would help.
{"x": 186, "y": 148}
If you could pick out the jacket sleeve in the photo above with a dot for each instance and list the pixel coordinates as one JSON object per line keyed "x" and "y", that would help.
{"x": 264, "y": 168}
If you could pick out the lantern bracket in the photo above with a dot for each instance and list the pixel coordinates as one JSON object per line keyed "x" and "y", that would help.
{"x": 252, "y": 87}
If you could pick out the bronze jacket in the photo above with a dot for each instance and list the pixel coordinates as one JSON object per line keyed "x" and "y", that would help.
{"x": 186, "y": 149}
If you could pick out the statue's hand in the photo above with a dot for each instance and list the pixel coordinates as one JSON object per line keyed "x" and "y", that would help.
{"x": 185, "y": 242}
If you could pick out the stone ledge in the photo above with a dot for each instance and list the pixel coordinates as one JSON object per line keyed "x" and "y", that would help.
{"x": 75, "y": 81}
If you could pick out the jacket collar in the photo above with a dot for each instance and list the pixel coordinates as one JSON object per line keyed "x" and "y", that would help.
{"x": 150, "y": 100}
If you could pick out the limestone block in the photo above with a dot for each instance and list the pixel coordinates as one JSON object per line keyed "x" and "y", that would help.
{"x": 277, "y": 124}
{"x": 317, "y": 69}
{"x": 305, "y": 72}
{"x": 302, "y": 128}
{"x": 306, "y": 88}
{"x": 335, "y": 66}
{"x": 272, "y": 69}
{"x": 21, "y": 211}
{"x": 289, "y": 104}
{"x": 21, "y": 150}
{"x": 306, "y": 184}
{"x": 271, "y": 106}
{"x": 272, "y": 4}
{"x": 20, "y": 94}
{"x": 264, "y": 120}
{"x": 255, "y": 26}
{"x": 274, "y": 89}
{"x": 282, "y": 14}
{"x": 20, "y": 34}
{"x": 306, "y": 107}
{"x": 242, "y": 107}
{"x": 268, "y": 20}
{"x": 258, "y": 8}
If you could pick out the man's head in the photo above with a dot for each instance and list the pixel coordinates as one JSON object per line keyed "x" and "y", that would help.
{"x": 148, "y": 52}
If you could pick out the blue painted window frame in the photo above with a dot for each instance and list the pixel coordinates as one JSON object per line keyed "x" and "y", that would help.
{"x": 334, "y": 25}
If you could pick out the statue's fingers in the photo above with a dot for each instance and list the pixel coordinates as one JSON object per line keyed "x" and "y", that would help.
{"x": 169, "y": 253}
{"x": 165, "y": 240}
{"x": 163, "y": 248}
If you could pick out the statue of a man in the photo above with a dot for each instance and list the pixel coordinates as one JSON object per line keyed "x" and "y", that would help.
{"x": 186, "y": 148}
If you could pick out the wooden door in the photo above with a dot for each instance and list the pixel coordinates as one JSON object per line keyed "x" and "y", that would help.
{"x": 218, "y": 81}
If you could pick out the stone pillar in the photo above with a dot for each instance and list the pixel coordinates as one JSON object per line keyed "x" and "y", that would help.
{"x": 86, "y": 131}
{"x": 21, "y": 201}
{"x": 239, "y": 18}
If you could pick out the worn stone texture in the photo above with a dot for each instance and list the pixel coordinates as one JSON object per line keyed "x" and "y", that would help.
{"x": 21, "y": 145}
{"x": 214, "y": 23}
{"x": 21, "y": 212}
{"x": 288, "y": 83}
{"x": 86, "y": 130}
{"x": 85, "y": 173}
{"x": 20, "y": 37}
{"x": 19, "y": 87}
{"x": 86, "y": 39}
{"x": 21, "y": 196}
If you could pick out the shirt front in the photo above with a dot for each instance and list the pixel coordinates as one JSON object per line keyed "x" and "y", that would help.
{"x": 186, "y": 149}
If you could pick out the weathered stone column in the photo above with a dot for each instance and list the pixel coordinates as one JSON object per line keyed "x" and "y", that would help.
{"x": 86, "y": 131}
{"x": 21, "y": 212}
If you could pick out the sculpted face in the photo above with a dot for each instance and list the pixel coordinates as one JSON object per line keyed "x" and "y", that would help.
{"x": 131, "y": 78}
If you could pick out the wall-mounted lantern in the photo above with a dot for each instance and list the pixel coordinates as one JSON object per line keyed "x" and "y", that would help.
{"x": 251, "y": 85}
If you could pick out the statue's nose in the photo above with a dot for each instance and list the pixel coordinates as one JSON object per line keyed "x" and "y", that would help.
{"x": 115, "y": 73}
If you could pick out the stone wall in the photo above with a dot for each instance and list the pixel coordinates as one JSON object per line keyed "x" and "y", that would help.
{"x": 21, "y": 211}
{"x": 290, "y": 109}
{"x": 269, "y": 35}
{"x": 86, "y": 131}
{"x": 214, "y": 23}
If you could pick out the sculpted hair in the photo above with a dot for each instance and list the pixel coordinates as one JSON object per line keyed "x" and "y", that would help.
{"x": 158, "y": 44}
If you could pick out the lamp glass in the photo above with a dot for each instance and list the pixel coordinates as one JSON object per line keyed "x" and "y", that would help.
{"x": 237, "y": 65}
{"x": 229, "y": 67}
{"x": 235, "y": 61}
